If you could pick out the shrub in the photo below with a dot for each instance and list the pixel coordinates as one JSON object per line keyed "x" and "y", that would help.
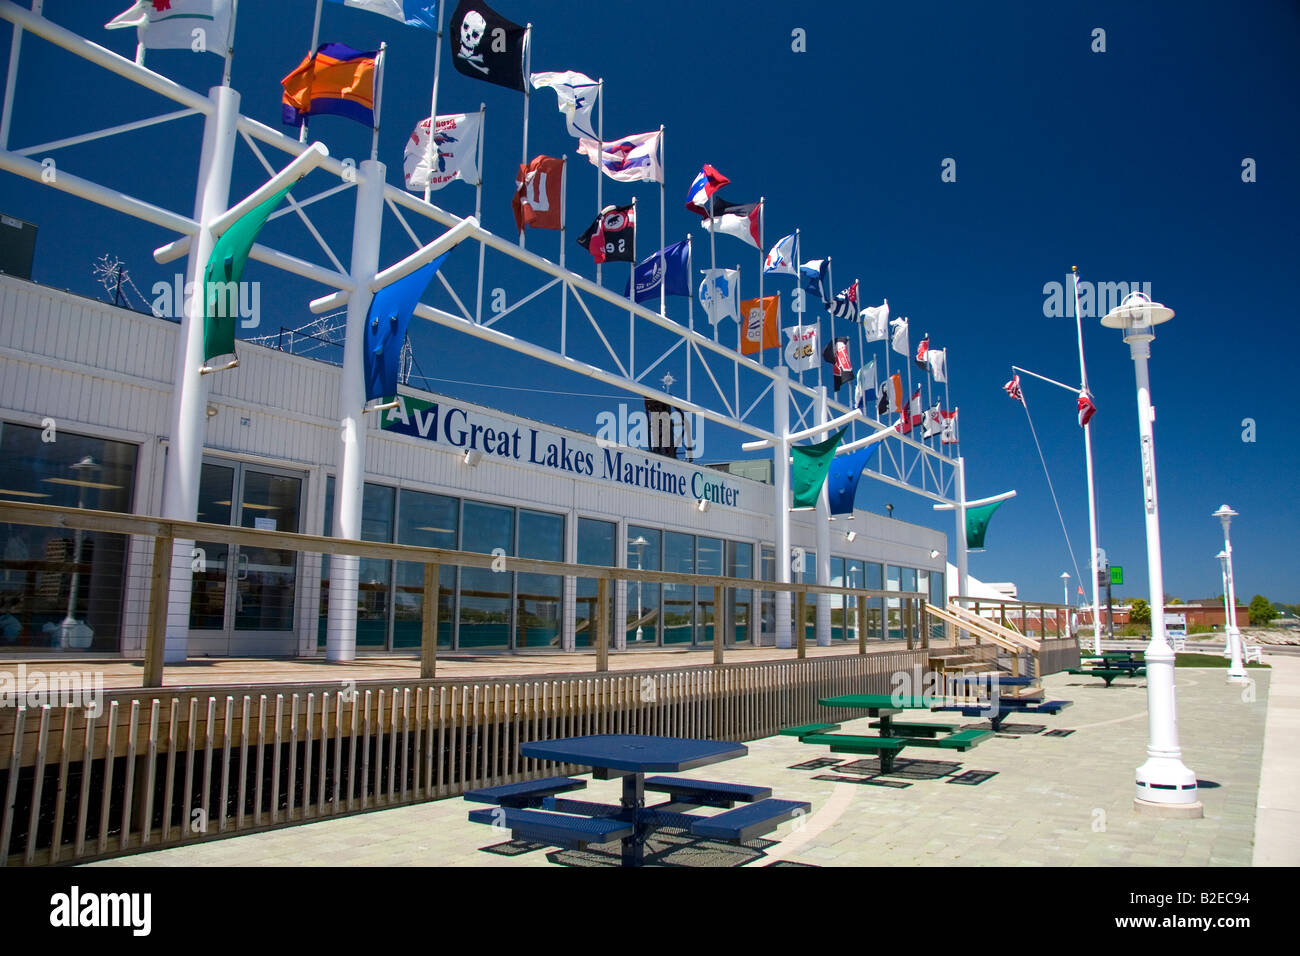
{"x": 1261, "y": 611}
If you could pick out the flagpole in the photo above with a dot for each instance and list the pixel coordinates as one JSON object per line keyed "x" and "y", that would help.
{"x": 831, "y": 282}
{"x": 735, "y": 366}
{"x": 663, "y": 169}
{"x": 564, "y": 286}
{"x": 600, "y": 172}
{"x": 230, "y": 46}
{"x": 631, "y": 282}
{"x": 907, "y": 359}
{"x": 762, "y": 214}
{"x": 889, "y": 347}
{"x": 528, "y": 83}
{"x": 379, "y": 97}
{"x": 315, "y": 42}
{"x": 1092, "y": 492}
{"x": 690, "y": 303}
{"x": 713, "y": 268}
{"x": 862, "y": 357}
{"x": 433, "y": 115}
{"x": 798, "y": 279}
{"x": 478, "y": 208}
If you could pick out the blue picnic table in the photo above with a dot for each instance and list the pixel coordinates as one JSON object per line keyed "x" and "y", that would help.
{"x": 533, "y": 811}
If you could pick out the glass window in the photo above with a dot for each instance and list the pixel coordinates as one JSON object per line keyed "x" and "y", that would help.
{"x": 598, "y": 545}
{"x": 374, "y": 576}
{"x": 937, "y": 596}
{"x": 539, "y": 596}
{"x": 740, "y": 564}
{"x": 810, "y": 607}
{"x": 484, "y": 593}
{"x": 875, "y": 577}
{"x": 208, "y": 585}
{"x": 61, "y": 588}
{"x": 267, "y": 578}
{"x": 644, "y": 551}
{"x": 427, "y": 521}
{"x": 839, "y": 622}
{"x": 709, "y": 559}
{"x": 768, "y": 568}
{"x": 679, "y": 599}
{"x": 894, "y": 617}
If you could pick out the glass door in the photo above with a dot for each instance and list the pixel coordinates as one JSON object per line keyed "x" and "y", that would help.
{"x": 246, "y": 593}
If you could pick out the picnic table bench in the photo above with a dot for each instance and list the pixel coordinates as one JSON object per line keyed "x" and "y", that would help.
{"x": 1108, "y": 674}
{"x": 535, "y": 811}
{"x": 1005, "y": 708}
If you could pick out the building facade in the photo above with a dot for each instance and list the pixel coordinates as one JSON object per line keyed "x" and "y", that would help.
{"x": 85, "y": 398}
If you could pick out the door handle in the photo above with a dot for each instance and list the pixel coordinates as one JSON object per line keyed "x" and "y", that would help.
{"x": 241, "y": 565}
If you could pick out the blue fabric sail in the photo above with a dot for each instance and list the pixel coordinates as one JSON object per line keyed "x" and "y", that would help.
{"x": 842, "y": 486}
{"x": 386, "y": 323}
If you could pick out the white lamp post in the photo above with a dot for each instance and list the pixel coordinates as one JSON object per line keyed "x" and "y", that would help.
{"x": 1227, "y": 615}
{"x": 1164, "y": 784}
{"x": 1237, "y": 669}
{"x": 1065, "y": 588}
{"x": 71, "y": 633}
{"x": 639, "y": 544}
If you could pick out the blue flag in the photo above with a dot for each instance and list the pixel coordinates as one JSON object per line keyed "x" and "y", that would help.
{"x": 842, "y": 485}
{"x": 648, "y": 276}
{"x": 414, "y": 13}
{"x": 386, "y": 322}
{"x": 814, "y": 276}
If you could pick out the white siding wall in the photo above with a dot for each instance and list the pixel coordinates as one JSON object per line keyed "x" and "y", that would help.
{"x": 100, "y": 370}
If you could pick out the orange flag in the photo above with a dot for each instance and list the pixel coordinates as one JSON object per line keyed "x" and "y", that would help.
{"x": 538, "y": 194}
{"x": 762, "y": 324}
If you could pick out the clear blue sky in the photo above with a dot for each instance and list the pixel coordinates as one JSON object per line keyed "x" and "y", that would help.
{"x": 1127, "y": 163}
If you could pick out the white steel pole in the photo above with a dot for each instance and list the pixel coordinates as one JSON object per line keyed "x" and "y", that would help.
{"x": 229, "y": 52}
{"x": 1237, "y": 669}
{"x": 762, "y": 257}
{"x": 315, "y": 42}
{"x": 960, "y": 511}
{"x": 528, "y": 84}
{"x": 663, "y": 285}
{"x": 781, "y": 499}
{"x": 823, "y": 519}
{"x": 11, "y": 81}
{"x": 564, "y": 286}
{"x": 433, "y": 116}
{"x": 1163, "y": 781}
{"x": 478, "y": 213}
{"x": 1092, "y": 493}
{"x": 600, "y": 174}
{"x": 188, "y": 423}
{"x": 341, "y": 627}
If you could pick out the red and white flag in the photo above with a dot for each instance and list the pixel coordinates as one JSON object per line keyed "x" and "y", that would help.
{"x": 921, "y": 350}
{"x": 1086, "y": 408}
{"x": 1012, "y": 388}
{"x": 948, "y": 434}
{"x": 539, "y": 193}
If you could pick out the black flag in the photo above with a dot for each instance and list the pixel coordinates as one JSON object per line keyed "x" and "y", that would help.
{"x": 837, "y": 354}
{"x": 487, "y": 46}
{"x": 612, "y": 236}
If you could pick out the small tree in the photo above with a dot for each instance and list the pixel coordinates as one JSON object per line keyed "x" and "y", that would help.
{"x": 1261, "y": 611}
{"x": 1173, "y": 600}
{"x": 1139, "y": 612}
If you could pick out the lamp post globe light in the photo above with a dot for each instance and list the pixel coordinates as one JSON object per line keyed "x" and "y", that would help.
{"x": 639, "y": 544}
{"x": 1164, "y": 784}
{"x": 1065, "y": 588}
{"x": 1237, "y": 669}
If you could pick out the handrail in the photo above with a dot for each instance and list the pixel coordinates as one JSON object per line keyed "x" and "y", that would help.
{"x": 996, "y": 632}
{"x": 979, "y": 626}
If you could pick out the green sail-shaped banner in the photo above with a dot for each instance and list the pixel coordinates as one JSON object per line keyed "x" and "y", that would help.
{"x": 223, "y": 273}
{"x": 977, "y": 523}
{"x": 809, "y": 468}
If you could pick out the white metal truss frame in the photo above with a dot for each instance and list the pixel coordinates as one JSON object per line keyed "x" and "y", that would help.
{"x": 903, "y": 461}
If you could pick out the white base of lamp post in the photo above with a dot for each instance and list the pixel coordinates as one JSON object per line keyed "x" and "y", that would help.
{"x": 1186, "y": 811}
{"x": 1237, "y": 668}
{"x": 1163, "y": 782}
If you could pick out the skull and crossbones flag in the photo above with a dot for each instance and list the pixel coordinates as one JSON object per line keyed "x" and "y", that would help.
{"x": 487, "y": 46}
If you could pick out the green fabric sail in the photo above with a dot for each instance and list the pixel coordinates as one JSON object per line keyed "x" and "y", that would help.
{"x": 977, "y": 523}
{"x": 224, "y": 270}
{"x": 809, "y": 469}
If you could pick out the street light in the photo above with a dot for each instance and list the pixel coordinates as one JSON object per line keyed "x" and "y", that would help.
{"x": 1227, "y": 615}
{"x": 639, "y": 544}
{"x": 1237, "y": 669}
{"x": 70, "y": 632}
{"x": 1065, "y": 587}
{"x": 1164, "y": 784}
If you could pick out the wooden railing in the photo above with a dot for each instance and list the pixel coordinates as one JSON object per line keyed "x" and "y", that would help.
{"x": 163, "y": 767}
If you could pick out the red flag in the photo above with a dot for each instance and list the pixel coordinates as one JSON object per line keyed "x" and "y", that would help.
{"x": 921, "y": 350}
{"x": 538, "y": 190}
{"x": 1086, "y": 408}
{"x": 1012, "y": 388}
{"x": 708, "y": 182}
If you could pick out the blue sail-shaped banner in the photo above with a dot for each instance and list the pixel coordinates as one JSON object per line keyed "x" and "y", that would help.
{"x": 386, "y": 324}
{"x": 842, "y": 485}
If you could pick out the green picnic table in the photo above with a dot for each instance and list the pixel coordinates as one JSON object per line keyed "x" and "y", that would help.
{"x": 894, "y": 734}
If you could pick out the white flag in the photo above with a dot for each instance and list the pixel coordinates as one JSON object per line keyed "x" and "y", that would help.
{"x": 632, "y": 159}
{"x": 933, "y": 423}
{"x": 948, "y": 434}
{"x": 937, "y": 359}
{"x": 455, "y": 152}
{"x": 199, "y": 25}
{"x": 576, "y": 96}
{"x": 719, "y": 294}
{"x": 899, "y": 341}
{"x": 781, "y": 257}
{"x": 801, "y": 352}
{"x": 864, "y": 392}
{"x": 875, "y": 322}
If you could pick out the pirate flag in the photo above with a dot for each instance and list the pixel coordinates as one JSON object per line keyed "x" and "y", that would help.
{"x": 487, "y": 46}
{"x": 837, "y": 354}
